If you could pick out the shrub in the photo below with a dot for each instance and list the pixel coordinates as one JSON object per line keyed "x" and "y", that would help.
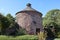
{"x": 41, "y": 36}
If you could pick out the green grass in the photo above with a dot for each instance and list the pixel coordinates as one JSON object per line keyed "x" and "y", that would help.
{"x": 25, "y": 37}
{"x": 57, "y": 39}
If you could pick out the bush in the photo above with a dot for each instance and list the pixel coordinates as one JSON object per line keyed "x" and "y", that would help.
{"x": 21, "y": 32}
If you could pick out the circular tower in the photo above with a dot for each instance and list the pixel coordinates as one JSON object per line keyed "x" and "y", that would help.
{"x": 30, "y": 20}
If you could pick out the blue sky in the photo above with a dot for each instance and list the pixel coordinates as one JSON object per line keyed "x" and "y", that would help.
{"x": 13, "y": 6}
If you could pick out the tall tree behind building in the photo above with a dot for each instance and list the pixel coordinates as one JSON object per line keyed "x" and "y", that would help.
{"x": 52, "y": 18}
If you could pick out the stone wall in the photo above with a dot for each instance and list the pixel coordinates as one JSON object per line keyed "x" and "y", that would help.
{"x": 30, "y": 21}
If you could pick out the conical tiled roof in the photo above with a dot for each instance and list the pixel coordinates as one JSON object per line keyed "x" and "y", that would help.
{"x": 28, "y": 8}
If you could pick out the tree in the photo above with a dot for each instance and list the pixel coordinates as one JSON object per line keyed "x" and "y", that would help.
{"x": 52, "y": 18}
{"x": 12, "y": 24}
{"x": 10, "y": 18}
{"x": 3, "y": 23}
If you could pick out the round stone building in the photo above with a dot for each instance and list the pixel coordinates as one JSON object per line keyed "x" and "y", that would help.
{"x": 30, "y": 20}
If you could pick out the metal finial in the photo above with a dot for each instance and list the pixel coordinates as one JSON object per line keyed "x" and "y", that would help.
{"x": 29, "y": 5}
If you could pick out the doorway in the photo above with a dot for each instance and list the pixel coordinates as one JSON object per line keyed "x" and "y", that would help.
{"x": 37, "y": 30}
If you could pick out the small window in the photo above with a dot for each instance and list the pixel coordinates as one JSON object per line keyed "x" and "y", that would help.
{"x": 34, "y": 22}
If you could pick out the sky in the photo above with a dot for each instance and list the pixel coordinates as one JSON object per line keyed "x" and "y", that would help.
{"x": 13, "y": 6}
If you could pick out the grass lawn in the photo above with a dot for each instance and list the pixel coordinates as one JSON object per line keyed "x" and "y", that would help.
{"x": 24, "y": 37}
{"x": 57, "y": 39}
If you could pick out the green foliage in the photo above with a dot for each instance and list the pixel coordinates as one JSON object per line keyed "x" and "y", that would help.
{"x": 41, "y": 36}
{"x": 8, "y": 26}
{"x": 10, "y": 18}
{"x": 21, "y": 32}
{"x": 3, "y": 23}
{"x": 6, "y": 22}
{"x": 52, "y": 18}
